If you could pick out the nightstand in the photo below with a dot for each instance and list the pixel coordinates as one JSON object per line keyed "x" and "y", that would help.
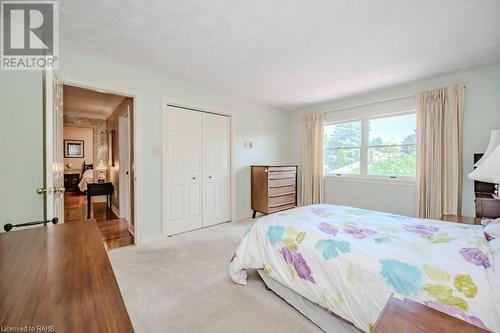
{"x": 460, "y": 219}
{"x": 71, "y": 180}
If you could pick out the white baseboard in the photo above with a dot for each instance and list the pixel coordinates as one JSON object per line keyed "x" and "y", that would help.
{"x": 241, "y": 218}
{"x": 151, "y": 238}
{"x": 115, "y": 210}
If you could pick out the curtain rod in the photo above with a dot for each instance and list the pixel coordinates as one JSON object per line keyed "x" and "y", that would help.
{"x": 370, "y": 103}
{"x": 374, "y": 102}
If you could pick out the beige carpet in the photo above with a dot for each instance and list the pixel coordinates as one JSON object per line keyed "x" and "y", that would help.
{"x": 181, "y": 284}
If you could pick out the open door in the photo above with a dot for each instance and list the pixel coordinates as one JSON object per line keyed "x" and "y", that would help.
{"x": 32, "y": 170}
{"x": 54, "y": 158}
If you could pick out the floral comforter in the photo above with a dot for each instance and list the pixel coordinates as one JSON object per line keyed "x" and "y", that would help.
{"x": 351, "y": 260}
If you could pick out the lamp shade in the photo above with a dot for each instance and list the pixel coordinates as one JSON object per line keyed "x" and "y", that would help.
{"x": 489, "y": 170}
{"x": 494, "y": 143}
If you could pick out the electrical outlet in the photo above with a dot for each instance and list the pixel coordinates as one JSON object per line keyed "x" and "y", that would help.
{"x": 248, "y": 145}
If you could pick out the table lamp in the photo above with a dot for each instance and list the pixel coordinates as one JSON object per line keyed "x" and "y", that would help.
{"x": 100, "y": 172}
{"x": 488, "y": 167}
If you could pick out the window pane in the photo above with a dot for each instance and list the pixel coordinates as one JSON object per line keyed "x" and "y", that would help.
{"x": 342, "y": 161}
{"x": 392, "y": 161}
{"x": 395, "y": 130}
{"x": 343, "y": 135}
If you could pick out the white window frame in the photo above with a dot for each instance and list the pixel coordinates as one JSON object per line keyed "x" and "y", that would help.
{"x": 363, "y": 176}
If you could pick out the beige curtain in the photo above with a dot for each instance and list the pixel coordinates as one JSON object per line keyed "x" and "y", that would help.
{"x": 439, "y": 151}
{"x": 312, "y": 159}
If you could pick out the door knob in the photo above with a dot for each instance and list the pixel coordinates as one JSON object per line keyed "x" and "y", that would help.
{"x": 209, "y": 177}
{"x": 194, "y": 178}
{"x": 59, "y": 190}
{"x": 41, "y": 190}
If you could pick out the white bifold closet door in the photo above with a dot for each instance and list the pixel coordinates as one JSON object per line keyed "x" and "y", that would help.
{"x": 198, "y": 169}
{"x": 184, "y": 170}
{"x": 216, "y": 169}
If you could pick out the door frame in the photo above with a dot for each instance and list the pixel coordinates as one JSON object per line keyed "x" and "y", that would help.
{"x": 124, "y": 146}
{"x": 137, "y": 141}
{"x": 166, "y": 102}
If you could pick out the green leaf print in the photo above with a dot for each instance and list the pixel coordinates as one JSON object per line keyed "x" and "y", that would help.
{"x": 440, "y": 238}
{"x": 291, "y": 232}
{"x": 444, "y": 295}
{"x": 290, "y": 243}
{"x": 465, "y": 284}
{"x": 300, "y": 237}
{"x": 436, "y": 274}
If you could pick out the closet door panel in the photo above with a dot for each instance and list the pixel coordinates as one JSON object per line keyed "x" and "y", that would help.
{"x": 184, "y": 176}
{"x": 216, "y": 169}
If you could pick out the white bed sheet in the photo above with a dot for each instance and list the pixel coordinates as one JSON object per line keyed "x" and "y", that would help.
{"x": 87, "y": 177}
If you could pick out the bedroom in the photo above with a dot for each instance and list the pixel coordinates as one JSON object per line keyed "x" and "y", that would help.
{"x": 265, "y": 67}
{"x": 97, "y": 166}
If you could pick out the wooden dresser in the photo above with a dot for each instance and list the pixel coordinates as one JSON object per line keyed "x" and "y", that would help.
{"x": 274, "y": 188}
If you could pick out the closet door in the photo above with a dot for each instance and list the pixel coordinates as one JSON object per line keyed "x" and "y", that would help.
{"x": 216, "y": 169}
{"x": 184, "y": 176}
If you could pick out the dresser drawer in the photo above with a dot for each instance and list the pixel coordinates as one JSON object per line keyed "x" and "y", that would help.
{"x": 281, "y": 182}
{"x": 282, "y": 200}
{"x": 281, "y": 175}
{"x": 282, "y": 207}
{"x": 277, "y": 191}
{"x": 282, "y": 169}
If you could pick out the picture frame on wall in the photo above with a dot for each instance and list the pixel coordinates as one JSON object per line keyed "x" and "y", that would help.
{"x": 74, "y": 148}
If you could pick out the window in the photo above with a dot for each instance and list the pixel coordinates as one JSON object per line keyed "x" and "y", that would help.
{"x": 375, "y": 147}
{"x": 342, "y": 148}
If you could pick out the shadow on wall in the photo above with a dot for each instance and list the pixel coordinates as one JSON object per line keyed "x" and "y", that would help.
{"x": 242, "y": 205}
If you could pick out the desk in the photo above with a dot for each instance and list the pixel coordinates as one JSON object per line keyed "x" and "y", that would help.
{"x": 95, "y": 189}
{"x": 60, "y": 275}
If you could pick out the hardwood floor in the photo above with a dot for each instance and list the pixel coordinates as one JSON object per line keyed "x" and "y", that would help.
{"x": 114, "y": 231}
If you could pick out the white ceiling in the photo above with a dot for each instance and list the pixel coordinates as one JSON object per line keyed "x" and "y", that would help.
{"x": 87, "y": 103}
{"x": 288, "y": 53}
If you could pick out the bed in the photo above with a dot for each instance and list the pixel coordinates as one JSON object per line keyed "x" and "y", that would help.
{"x": 347, "y": 262}
{"x": 87, "y": 176}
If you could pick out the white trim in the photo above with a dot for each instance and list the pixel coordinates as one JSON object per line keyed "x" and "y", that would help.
{"x": 408, "y": 181}
{"x": 137, "y": 120}
{"x": 115, "y": 210}
{"x": 131, "y": 229}
{"x": 164, "y": 199}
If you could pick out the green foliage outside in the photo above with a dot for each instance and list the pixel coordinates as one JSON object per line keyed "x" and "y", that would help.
{"x": 382, "y": 160}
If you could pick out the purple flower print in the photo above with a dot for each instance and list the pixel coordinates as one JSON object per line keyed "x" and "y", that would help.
{"x": 287, "y": 255}
{"x": 293, "y": 258}
{"x": 327, "y": 228}
{"x": 425, "y": 230}
{"x": 359, "y": 233}
{"x": 452, "y": 311}
{"x": 475, "y": 256}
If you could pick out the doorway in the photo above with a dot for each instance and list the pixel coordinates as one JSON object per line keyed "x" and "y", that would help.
{"x": 98, "y": 147}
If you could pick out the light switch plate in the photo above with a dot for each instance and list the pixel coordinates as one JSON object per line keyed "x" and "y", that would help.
{"x": 248, "y": 145}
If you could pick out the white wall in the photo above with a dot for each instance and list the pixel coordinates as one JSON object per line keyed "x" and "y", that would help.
{"x": 481, "y": 115}
{"x": 266, "y": 127}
